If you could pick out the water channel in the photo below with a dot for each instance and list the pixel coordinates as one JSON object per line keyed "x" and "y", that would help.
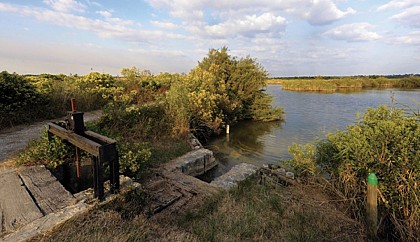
{"x": 308, "y": 115}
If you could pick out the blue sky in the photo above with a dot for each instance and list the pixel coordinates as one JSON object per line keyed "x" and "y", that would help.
{"x": 288, "y": 37}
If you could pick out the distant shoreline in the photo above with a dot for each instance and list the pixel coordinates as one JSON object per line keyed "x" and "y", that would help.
{"x": 333, "y": 84}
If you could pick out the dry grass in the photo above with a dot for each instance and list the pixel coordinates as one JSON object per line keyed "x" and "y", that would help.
{"x": 264, "y": 212}
{"x": 251, "y": 212}
{"x": 121, "y": 220}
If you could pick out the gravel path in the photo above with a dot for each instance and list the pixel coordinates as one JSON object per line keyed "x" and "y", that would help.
{"x": 14, "y": 139}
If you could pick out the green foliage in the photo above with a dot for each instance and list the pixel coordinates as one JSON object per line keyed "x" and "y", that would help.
{"x": 221, "y": 90}
{"x": 177, "y": 101}
{"x": 142, "y": 134}
{"x": 146, "y": 122}
{"x": 303, "y": 161}
{"x": 96, "y": 83}
{"x": 19, "y": 100}
{"x": 51, "y": 153}
{"x": 133, "y": 157}
{"x": 387, "y": 143}
{"x": 130, "y": 74}
{"x": 26, "y": 98}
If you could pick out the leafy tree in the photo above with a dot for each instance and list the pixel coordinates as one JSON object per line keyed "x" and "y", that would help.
{"x": 130, "y": 73}
{"x": 224, "y": 90}
{"x": 243, "y": 81}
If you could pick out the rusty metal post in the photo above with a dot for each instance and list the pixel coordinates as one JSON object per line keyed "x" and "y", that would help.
{"x": 78, "y": 164}
{"x": 73, "y": 104}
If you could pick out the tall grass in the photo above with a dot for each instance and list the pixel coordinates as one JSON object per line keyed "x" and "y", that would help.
{"x": 33, "y": 98}
{"x": 324, "y": 84}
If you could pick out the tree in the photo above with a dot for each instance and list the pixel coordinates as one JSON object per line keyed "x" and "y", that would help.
{"x": 224, "y": 90}
{"x": 130, "y": 73}
{"x": 241, "y": 84}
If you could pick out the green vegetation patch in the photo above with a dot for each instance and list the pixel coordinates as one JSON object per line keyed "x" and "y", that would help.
{"x": 386, "y": 142}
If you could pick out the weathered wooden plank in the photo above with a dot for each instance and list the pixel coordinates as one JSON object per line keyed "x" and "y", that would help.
{"x": 77, "y": 140}
{"x": 99, "y": 138}
{"x": 16, "y": 204}
{"x": 47, "y": 191}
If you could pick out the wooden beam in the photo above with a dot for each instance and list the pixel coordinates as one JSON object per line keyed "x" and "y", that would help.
{"x": 75, "y": 139}
{"x": 99, "y": 138}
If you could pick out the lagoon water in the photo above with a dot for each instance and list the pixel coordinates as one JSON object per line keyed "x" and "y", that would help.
{"x": 309, "y": 115}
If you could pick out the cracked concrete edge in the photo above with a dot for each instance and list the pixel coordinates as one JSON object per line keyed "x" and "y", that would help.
{"x": 45, "y": 223}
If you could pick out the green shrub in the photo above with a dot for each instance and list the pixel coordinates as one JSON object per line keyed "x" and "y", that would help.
{"x": 20, "y": 102}
{"x": 133, "y": 157}
{"x": 303, "y": 161}
{"x": 134, "y": 123}
{"x": 51, "y": 153}
{"x": 386, "y": 142}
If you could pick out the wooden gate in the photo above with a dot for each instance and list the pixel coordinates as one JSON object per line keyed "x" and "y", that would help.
{"x": 102, "y": 149}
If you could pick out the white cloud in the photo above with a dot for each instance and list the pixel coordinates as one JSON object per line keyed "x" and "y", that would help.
{"x": 108, "y": 16}
{"x": 108, "y": 28}
{"x": 410, "y": 16}
{"x": 93, "y": 3}
{"x": 164, "y": 25}
{"x": 412, "y": 38}
{"x": 316, "y": 12}
{"x": 394, "y": 4}
{"x": 320, "y": 12}
{"x": 66, "y": 6}
{"x": 248, "y": 26}
{"x": 353, "y": 32}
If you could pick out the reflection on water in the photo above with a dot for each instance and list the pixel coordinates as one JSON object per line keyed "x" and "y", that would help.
{"x": 246, "y": 142}
{"x": 308, "y": 115}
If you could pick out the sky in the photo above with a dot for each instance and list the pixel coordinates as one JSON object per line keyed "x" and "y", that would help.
{"x": 287, "y": 37}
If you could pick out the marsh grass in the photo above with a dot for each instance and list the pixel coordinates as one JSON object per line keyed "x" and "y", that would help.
{"x": 333, "y": 84}
{"x": 268, "y": 212}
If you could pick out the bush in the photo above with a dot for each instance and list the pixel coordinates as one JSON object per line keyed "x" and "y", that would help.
{"x": 133, "y": 157}
{"x": 303, "y": 161}
{"x": 20, "y": 102}
{"x": 135, "y": 123}
{"x": 387, "y": 143}
{"x": 51, "y": 153}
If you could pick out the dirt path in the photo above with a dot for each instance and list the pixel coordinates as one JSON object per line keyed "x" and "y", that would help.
{"x": 14, "y": 139}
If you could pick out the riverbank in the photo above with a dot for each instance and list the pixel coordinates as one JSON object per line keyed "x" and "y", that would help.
{"x": 254, "y": 210}
{"x": 334, "y": 84}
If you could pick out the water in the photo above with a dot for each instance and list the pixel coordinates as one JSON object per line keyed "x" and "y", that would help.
{"x": 308, "y": 116}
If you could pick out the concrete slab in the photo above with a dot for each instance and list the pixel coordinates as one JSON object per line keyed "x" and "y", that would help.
{"x": 194, "y": 163}
{"x": 237, "y": 174}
